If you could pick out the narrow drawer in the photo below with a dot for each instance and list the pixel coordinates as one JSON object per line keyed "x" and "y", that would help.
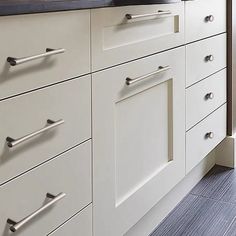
{"x": 205, "y": 18}
{"x": 205, "y": 97}
{"x": 117, "y": 38}
{"x": 29, "y": 113}
{"x": 30, "y": 35}
{"x": 80, "y": 225}
{"x": 66, "y": 181}
{"x": 204, "y": 58}
{"x": 204, "y": 137}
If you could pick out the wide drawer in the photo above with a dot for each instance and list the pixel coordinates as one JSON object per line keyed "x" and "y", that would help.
{"x": 29, "y": 113}
{"x": 126, "y": 33}
{"x": 80, "y": 225}
{"x": 205, "y": 97}
{"x": 65, "y": 180}
{"x": 204, "y": 137}
{"x": 205, "y": 18}
{"x": 204, "y": 58}
{"x": 30, "y": 35}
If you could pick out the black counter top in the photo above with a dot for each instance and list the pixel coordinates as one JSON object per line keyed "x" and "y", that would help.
{"x": 14, "y": 7}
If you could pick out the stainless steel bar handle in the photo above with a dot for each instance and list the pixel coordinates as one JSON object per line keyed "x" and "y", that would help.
{"x": 11, "y": 142}
{"x": 130, "y": 81}
{"x": 158, "y": 13}
{"x": 49, "y": 52}
{"x": 17, "y": 225}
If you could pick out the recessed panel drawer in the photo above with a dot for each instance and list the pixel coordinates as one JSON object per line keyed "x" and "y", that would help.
{"x": 204, "y": 137}
{"x": 46, "y": 48}
{"x": 57, "y": 190}
{"x": 205, "y": 97}
{"x": 80, "y": 225}
{"x": 204, "y": 58}
{"x": 42, "y": 124}
{"x": 205, "y": 18}
{"x": 126, "y": 33}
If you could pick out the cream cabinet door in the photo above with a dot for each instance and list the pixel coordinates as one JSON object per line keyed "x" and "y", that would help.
{"x": 138, "y": 138}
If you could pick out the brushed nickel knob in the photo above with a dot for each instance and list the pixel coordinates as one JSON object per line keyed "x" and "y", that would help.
{"x": 209, "y": 135}
{"x": 210, "y": 18}
{"x": 209, "y": 58}
{"x": 209, "y": 96}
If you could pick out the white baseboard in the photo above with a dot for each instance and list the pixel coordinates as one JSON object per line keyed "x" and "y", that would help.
{"x": 149, "y": 222}
{"x": 226, "y": 152}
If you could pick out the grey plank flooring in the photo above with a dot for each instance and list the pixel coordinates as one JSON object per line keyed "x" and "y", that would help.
{"x": 208, "y": 210}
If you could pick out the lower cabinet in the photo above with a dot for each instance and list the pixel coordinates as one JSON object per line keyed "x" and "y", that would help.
{"x": 205, "y": 136}
{"x": 42, "y": 199}
{"x": 138, "y": 138}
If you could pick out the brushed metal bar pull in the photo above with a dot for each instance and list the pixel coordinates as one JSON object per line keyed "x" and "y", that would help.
{"x": 130, "y": 81}
{"x": 158, "y": 13}
{"x": 11, "y": 142}
{"x": 15, "y": 226}
{"x": 49, "y": 52}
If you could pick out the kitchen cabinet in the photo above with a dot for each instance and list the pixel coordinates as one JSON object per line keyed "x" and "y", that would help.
{"x": 138, "y": 138}
{"x": 126, "y": 33}
{"x": 204, "y": 18}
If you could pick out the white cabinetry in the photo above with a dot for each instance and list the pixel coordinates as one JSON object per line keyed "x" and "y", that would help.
{"x": 147, "y": 63}
{"x": 148, "y": 29}
{"x": 138, "y": 138}
{"x": 205, "y": 78}
{"x": 204, "y": 18}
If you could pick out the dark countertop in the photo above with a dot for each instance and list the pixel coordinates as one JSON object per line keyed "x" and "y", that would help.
{"x": 14, "y": 7}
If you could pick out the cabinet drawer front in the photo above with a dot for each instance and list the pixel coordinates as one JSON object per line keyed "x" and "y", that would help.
{"x": 204, "y": 137}
{"x": 31, "y": 35}
{"x": 80, "y": 225}
{"x": 205, "y": 18}
{"x": 28, "y": 113}
{"x": 141, "y": 140}
{"x": 205, "y": 97}
{"x": 204, "y": 58}
{"x": 69, "y": 173}
{"x": 116, "y": 39}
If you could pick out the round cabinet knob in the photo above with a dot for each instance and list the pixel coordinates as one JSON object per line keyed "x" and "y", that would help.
{"x": 210, "y": 18}
{"x": 209, "y": 135}
{"x": 209, "y": 96}
{"x": 209, "y": 58}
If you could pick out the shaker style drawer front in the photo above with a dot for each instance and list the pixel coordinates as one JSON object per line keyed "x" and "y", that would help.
{"x": 205, "y": 18}
{"x": 205, "y": 97}
{"x": 126, "y": 33}
{"x": 41, "y": 49}
{"x": 204, "y": 137}
{"x": 204, "y": 58}
{"x": 39, "y": 201}
{"x": 42, "y": 124}
{"x": 79, "y": 225}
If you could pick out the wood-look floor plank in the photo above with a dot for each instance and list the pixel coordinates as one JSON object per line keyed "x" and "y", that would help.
{"x": 197, "y": 216}
{"x": 216, "y": 183}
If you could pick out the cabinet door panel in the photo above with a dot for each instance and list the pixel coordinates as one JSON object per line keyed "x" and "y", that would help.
{"x": 139, "y": 133}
